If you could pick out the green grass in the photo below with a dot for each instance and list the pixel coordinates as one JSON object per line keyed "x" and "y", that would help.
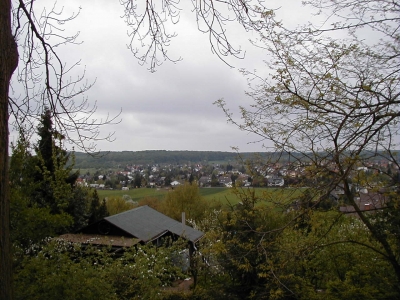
{"x": 210, "y": 194}
{"x": 135, "y": 194}
{"x": 218, "y": 194}
{"x": 222, "y": 195}
{"x": 227, "y": 195}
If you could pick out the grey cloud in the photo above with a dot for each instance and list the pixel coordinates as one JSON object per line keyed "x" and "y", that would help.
{"x": 171, "y": 109}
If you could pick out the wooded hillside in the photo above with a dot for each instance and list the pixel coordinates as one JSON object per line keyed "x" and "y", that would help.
{"x": 115, "y": 158}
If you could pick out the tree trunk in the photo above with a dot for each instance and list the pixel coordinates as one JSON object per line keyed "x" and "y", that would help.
{"x": 8, "y": 63}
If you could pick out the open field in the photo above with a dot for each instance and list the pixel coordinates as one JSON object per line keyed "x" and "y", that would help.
{"x": 135, "y": 194}
{"x": 222, "y": 195}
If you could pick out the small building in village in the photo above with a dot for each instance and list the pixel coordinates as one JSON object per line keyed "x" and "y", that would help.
{"x": 141, "y": 225}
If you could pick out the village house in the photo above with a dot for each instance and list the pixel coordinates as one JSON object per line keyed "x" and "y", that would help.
{"x": 366, "y": 202}
{"x": 141, "y": 225}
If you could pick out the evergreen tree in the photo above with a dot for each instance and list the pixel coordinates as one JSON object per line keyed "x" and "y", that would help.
{"x": 167, "y": 180}
{"x": 97, "y": 211}
{"x": 30, "y": 223}
{"x": 52, "y": 183}
{"x": 191, "y": 178}
{"x": 78, "y": 207}
{"x": 54, "y": 179}
{"x": 137, "y": 180}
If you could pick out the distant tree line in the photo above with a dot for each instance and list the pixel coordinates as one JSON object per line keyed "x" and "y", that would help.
{"x": 115, "y": 159}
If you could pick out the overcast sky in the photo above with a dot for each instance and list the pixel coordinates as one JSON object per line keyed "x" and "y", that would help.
{"x": 171, "y": 109}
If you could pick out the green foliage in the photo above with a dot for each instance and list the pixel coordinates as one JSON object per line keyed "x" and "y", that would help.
{"x": 97, "y": 210}
{"x": 251, "y": 249}
{"x": 30, "y": 222}
{"x": 261, "y": 252}
{"x": 335, "y": 254}
{"x": 134, "y": 194}
{"x": 137, "y": 180}
{"x": 52, "y": 274}
{"x": 77, "y": 207}
{"x": 153, "y": 202}
{"x": 44, "y": 200}
{"x": 22, "y": 167}
{"x": 116, "y": 205}
{"x": 214, "y": 180}
{"x": 143, "y": 272}
{"x": 59, "y": 270}
{"x": 240, "y": 248}
{"x": 217, "y": 194}
{"x": 185, "y": 198}
{"x": 52, "y": 176}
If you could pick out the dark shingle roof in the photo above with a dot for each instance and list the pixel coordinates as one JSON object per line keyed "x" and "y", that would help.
{"x": 147, "y": 224}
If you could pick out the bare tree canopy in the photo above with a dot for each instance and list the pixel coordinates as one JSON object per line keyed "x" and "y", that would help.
{"x": 151, "y": 31}
{"x": 326, "y": 94}
{"x": 48, "y": 81}
{"x": 333, "y": 98}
